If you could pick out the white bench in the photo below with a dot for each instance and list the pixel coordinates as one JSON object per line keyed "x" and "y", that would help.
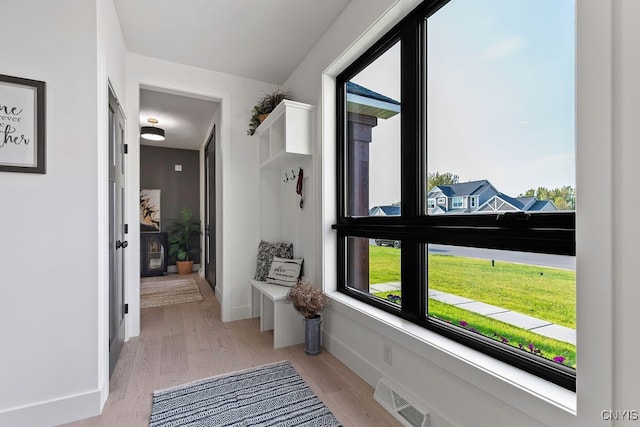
{"x": 269, "y": 302}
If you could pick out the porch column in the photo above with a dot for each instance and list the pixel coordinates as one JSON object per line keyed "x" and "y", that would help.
{"x": 359, "y": 134}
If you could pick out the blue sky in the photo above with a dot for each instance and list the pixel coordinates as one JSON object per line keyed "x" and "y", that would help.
{"x": 500, "y": 93}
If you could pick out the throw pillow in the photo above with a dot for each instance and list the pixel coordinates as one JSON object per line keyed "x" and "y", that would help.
{"x": 266, "y": 252}
{"x": 285, "y": 272}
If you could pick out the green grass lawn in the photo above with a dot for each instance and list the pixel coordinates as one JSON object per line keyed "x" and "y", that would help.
{"x": 499, "y": 331}
{"x": 384, "y": 264}
{"x": 542, "y": 292}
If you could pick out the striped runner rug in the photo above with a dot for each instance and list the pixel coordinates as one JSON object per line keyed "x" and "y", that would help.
{"x": 155, "y": 292}
{"x": 269, "y": 395}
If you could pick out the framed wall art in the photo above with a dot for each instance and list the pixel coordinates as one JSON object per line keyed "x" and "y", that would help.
{"x": 149, "y": 210}
{"x": 22, "y": 125}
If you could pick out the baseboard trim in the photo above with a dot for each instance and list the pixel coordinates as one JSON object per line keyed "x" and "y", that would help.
{"x": 218, "y": 294}
{"x": 104, "y": 393}
{"x": 357, "y": 363}
{"x": 55, "y": 411}
{"x": 241, "y": 312}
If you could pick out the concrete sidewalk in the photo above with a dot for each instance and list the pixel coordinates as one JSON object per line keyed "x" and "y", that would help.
{"x": 537, "y": 326}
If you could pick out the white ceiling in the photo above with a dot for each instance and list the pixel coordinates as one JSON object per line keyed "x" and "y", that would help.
{"x": 186, "y": 120}
{"x": 259, "y": 39}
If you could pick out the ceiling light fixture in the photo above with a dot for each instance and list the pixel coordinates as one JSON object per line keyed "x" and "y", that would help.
{"x": 151, "y": 132}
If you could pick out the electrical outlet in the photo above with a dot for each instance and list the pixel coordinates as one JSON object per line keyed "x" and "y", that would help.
{"x": 388, "y": 354}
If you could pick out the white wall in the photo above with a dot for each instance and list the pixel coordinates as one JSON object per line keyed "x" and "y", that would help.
{"x": 111, "y": 73}
{"x": 308, "y": 86}
{"x": 310, "y": 236}
{"x": 626, "y": 230}
{"x": 236, "y": 162}
{"x": 111, "y": 48}
{"x": 48, "y": 256}
{"x": 282, "y": 219}
{"x": 460, "y": 386}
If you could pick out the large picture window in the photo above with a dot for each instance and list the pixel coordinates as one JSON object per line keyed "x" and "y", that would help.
{"x": 456, "y": 178}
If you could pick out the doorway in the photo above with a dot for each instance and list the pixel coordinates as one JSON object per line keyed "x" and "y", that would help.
{"x": 173, "y": 167}
{"x": 117, "y": 230}
{"x": 210, "y": 210}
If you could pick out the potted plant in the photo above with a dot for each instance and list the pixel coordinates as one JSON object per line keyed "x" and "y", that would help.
{"x": 265, "y": 106}
{"x": 309, "y": 301}
{"x": 180, "y": 233}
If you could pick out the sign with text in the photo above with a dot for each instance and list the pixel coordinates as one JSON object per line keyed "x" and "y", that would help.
{"x": 21, "y": 125}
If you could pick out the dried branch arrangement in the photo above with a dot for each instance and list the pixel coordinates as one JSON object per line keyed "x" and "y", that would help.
{"x": 307, "y": 299}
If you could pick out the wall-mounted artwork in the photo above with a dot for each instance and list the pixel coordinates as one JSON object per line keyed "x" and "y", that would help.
{"x": 149, "y": 210}
{"x": 22, "y": 125}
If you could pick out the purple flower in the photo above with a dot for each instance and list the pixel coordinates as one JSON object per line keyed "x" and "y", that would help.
{"x": 394, "y": 299}
{"x": 531, "y": 347}
{"x": 463, "y": 323}
{"x": 474, "y": 330}
{"x": 504, "y": 340}
{"x": 559, "y": 359}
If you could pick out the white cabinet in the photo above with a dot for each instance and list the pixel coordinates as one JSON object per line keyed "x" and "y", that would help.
{"x": 285, "y": 136}
{"x": 285, "y": 147}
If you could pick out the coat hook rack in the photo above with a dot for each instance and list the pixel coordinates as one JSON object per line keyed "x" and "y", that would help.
{"x": 288, "y": 178}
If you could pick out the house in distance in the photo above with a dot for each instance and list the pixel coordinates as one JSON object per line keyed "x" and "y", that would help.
{"x": 480, "y": 197}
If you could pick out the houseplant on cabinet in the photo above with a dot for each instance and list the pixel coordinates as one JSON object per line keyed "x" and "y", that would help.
{"x": 181, "y": 231}
{"x": 265, "y": 106}
{"x": 309, "y": 301}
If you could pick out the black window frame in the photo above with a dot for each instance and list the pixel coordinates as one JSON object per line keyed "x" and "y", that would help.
{"x": 550, "y": 233}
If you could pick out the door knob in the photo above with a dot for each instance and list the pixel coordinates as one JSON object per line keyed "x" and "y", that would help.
{"x": 122, "y": 245}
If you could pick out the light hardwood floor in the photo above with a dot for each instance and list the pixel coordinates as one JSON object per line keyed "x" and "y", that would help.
{"x": 187, "y": 342}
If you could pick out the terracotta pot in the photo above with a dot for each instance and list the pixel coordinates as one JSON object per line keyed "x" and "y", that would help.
{"x": 184, "y": 267}
{"x": 263, "y": 117}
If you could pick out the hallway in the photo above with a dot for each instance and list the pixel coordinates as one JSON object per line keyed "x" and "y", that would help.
{"x": 186, "y": 342}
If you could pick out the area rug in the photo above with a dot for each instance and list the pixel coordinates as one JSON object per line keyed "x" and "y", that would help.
{"x": 154, "y": 293}
{"x": 269, "y": 395}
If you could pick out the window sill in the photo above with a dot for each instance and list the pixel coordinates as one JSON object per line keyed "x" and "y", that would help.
{"x": 464, "y": 362}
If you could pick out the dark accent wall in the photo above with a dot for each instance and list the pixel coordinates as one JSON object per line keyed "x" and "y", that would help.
{"x": 177, "y": 189}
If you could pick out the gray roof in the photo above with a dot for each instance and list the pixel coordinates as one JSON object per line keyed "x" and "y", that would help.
{"x": 541, "y": 204}
{"x": 389, "y": 210}
{"x": 361, "y": 100}
{"x": 356, "y": 89}
{"x": 463, "y": 188}
{"x": 526, "y": 200}
{"x": 515, "y": 202}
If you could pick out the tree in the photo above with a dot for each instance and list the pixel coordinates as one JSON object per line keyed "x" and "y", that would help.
{"x": 563, "y": 197}
{"x": 435, "y": 178}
